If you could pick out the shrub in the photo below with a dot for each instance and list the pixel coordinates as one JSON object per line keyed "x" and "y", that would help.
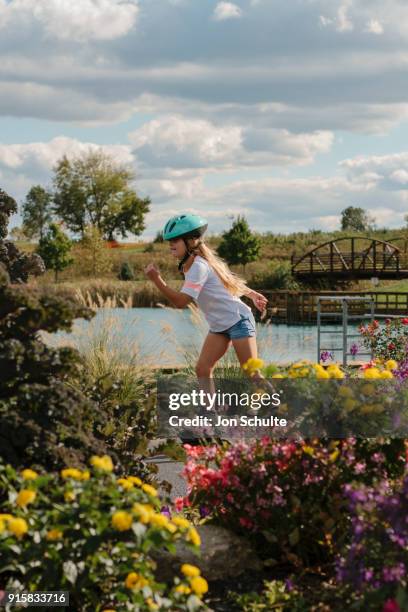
{"x": 92, "y": 534}
{"x": 289, "y": 492}
{"x": 374, "y": 564}
{"x": 278, "y": 276}
{"x": 126, "y": 273}
{"x": 389, "y": 341}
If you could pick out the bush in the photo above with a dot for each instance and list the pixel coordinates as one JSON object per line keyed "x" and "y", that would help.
{"x": 278, "y": 276}
{"x": 126, "y": 272}
{"x": 374, "y": 565}
{"x": 389, "y": 341}
{"x": 92, "y": 534}
{"x": 288, "y": 492}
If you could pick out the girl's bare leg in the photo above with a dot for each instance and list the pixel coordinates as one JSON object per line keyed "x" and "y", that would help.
{"x": 214, "y": 347}
{"x": 245, "y": 348}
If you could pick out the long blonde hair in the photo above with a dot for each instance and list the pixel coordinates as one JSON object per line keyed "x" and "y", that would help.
{"x": 231, "y": 281}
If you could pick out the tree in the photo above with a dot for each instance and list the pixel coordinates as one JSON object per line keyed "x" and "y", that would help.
{"x": 126, "y": 272}
{"x": 94, "y": 254}
{"x": 36, "y": 211}
{"x": 239, "y": 245}
{"x": 356, "y": 219}
{"x": 159, "y": 237}
{"x": 54, "y": 248}
{"x": 93, "y": 189}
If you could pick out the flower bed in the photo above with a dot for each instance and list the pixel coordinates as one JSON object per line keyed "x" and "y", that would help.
{"x": 288, "y": 491}
{"x": 90, "y": 533}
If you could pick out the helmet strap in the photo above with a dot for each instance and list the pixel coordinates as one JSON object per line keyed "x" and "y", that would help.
{"x": 186, "y": 256}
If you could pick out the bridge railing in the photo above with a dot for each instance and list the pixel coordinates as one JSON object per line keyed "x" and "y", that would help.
{"x": 336, "y": 262}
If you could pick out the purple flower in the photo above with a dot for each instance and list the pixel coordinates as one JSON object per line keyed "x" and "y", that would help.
{"x": 166, "y": 511}
{"x": 204, "y": 511}
{"x": 326, "y": 355}
{"x": 354, "y": 348}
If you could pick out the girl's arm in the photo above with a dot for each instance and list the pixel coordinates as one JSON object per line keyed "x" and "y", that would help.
{"x": 259, "y": 300}
{"x": 180, "y": 300}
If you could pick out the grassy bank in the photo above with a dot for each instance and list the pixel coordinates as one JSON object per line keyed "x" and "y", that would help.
{"x": 275, "y": 249}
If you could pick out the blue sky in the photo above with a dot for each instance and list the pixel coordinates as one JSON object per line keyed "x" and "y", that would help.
{"x": 286, "y": 112}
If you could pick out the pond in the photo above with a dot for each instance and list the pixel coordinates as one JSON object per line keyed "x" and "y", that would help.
{"x": 165, "y": 336}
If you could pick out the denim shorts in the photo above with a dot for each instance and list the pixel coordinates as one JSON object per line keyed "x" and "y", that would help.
{"x": 245, "y": 328}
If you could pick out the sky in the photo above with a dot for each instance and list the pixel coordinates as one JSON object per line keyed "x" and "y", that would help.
{"x": 285, "y": 112}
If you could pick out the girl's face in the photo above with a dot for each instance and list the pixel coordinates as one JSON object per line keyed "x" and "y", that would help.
{"x": 177, "y": 248}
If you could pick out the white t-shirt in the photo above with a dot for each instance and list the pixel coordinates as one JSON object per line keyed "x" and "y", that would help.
{"x": 221, "y": 309}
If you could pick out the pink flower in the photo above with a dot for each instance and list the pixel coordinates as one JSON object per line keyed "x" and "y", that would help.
{"x": 391, "y": 606}
{"x": 245, "y": 522}
{"x": 179, "y": 503}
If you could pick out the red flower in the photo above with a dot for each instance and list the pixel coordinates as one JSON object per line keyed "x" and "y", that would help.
{"x": 391, "y": 606}
{"x": 405, "y": 321}
{"x": 391, "y": 346}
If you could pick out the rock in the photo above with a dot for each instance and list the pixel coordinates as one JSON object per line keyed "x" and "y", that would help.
{"x": 223, "y": 555}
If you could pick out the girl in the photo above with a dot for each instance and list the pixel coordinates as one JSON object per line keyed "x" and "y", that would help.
{"x": 216, "y": 290}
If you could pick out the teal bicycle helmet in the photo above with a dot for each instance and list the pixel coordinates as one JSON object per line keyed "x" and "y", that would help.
{"x": 185, "y": 226}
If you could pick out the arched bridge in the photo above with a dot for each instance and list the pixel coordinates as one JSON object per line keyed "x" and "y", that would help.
{"x": 352, "y": 257}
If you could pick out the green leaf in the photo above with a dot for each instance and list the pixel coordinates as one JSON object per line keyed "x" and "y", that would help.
{"x": 294, "y": 537}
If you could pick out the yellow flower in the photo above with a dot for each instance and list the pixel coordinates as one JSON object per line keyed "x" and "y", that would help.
{"x": 86, "y": 475}
{"x": 152, "y": 605}
{"x": 18, "y": 526}
{"x": 367, "y": 408}
{"x": 181, "y": 522}
{"x": 368, "y": 389}
{"x": 335, "y": 372}
{"x": 69, "y": 496}
{"x": 135, "y": 581}
{"x": 122, "y": 520}
{"x": 371, "y": 373}
{"x": 309, "y": 450}
{"x": 73, "y": 473}
{"x": 190, "y": 570}
{"x": 199, "y": 585}
{"x": 346, "y": 392}
{"x": 54, "y": 534}
{"x": 5, "y": 517}
{"x": 29, "y": 474}
{"x": 253, "y": 365}
{"x": 193, "y": 536}
{"x": 182, "y": 588}
{"x": 135, "y": 480}
{"x": 322, "y": 373}
{"x": 149, "y": 490}
{"x": 350, "y": 404}
{"x": 103, "y": 463}
{"x": 125, "y": 483}
{"x": 386, "y": 374}
{"x": 2, "y": 526}
{"x": 333, "y": 456}
{"x": 391, "y": 364}
{"x": 278, "y": 376}
{"x": 143, "y": 511}
{"x": 159, "y": 520}
{"x": 25, "y": 497}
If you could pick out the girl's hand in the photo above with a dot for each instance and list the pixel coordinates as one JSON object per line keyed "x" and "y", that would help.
{"x": 151, "y": 271}
{"x": 259, "y": 300}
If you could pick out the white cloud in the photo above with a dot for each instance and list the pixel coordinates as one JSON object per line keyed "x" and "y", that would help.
{"x": 35, "y": 160}
{"x": 226, "y": 10}
{"x": 344, "y": 23}
{"x": 178, "y": 141}
{"x": 388, "y": 172}
{"x": 74, "y": 21}
{"x": 175, "y": 142}
{"x": 374, "y": 27}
